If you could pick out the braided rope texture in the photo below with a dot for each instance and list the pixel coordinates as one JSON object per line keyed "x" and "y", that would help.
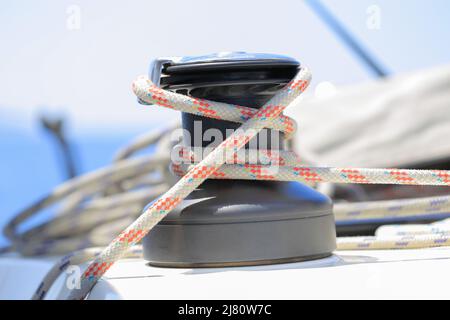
{"x": 261, "y": 119}
{"x": 222, "y": 163}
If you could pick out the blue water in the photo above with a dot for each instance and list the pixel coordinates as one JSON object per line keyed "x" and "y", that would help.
{"x": 30, "y": 167}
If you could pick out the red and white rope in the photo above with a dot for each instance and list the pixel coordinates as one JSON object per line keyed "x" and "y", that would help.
{"x": 222, "y": 163}
{"x": 264, "y": 117}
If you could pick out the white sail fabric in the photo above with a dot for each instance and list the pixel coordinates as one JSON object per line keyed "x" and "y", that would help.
{"x": 400, "y": 121}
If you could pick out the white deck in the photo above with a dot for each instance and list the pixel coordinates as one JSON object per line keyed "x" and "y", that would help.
{"x": 421, "y": 273}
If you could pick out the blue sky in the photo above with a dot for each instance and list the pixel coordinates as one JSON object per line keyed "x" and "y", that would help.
{"x": 86, "y": 74}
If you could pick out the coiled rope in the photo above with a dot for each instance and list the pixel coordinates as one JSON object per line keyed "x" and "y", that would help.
{"x": 116, "y": 194}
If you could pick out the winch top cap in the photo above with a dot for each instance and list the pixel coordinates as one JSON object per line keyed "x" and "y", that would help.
{"x": 226, "y": 68}
{"x": 226, "y": 60}
{"x": 235, "y": 56}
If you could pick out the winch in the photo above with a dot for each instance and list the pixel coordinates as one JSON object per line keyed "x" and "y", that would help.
{"x": 227, "y": 209}
{"x": 237, "y": 222}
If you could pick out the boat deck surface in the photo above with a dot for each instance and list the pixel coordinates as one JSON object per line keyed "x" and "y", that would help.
{"x": 374, "y": 274}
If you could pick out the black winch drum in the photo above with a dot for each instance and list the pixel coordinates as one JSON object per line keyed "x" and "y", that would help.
{"x": 238, "y": 222}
